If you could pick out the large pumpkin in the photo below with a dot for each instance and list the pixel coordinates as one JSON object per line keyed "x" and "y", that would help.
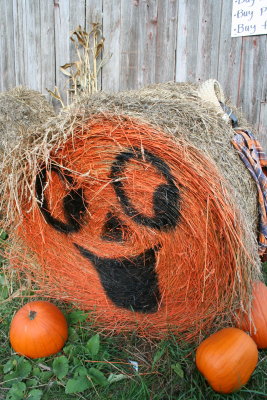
{"x": 38, "y": 329}
{"x": 134, "y": 226}
{"x": 227, "y": 359}
{"x": 256, "y": 322}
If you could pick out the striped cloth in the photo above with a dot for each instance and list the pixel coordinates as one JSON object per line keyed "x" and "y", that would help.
{"x": 251, "y": 153}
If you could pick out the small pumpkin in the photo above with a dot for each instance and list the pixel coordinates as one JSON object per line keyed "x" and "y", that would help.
{"x": 227, "y": 359}
{"x": 257, "y": 324}
{"x": 38, "y": 329}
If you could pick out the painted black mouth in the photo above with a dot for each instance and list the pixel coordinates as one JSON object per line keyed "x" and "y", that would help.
{"x": 129, "y": 283}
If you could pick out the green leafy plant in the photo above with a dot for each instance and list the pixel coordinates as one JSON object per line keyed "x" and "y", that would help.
{"x": 95, "y": 366}
{"x": 81, "y": 366}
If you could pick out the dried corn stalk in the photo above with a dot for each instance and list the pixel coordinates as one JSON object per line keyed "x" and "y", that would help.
{"x": 83, "y": 73}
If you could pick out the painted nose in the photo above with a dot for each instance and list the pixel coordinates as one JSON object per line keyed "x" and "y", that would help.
{"x": 114, "y": 230}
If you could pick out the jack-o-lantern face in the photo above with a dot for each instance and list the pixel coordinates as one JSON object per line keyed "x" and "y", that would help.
{"x": 135, "y": 273}
{"x": 125, "y": 225}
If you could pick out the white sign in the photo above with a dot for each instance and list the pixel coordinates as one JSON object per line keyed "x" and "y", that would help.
{"x": 249, "y": 17}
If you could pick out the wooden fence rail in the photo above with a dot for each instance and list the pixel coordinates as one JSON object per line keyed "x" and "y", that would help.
{"x": 149, "y": 41}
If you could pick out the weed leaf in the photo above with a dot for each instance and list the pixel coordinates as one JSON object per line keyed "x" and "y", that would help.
{"x": 36, "y": 372}
{"x": 10, "y": 379}
{"x": 78, "y": 350}
{"x": 73, "y": 336}
{"x": 116, "y": 378}
{"x": 23, "y": 369}
{"x": 93, "y": 345}
{"x": 77, "y": 385}
{"x": 17, "y": 391}
{"x": 31, "y": 382}
{"x": 9, "y": 365}
{"x": 98, "y": 377}
{"x": 3, "y": 280}
{"x": 45, "y": 376}
{"x": 3, "y": 235}
{"x": 178, "y": 370}
{"x": 159, "y": 353}
{"x": 35, "y": 394}
{"x": 81, "y": 371}
{"x": 68, "y": 349}
{"x": 3, "y": 292}
{"x": 60, "y": 367}
{"x": 76, "y": 316}
{"x": 18, "y": 368}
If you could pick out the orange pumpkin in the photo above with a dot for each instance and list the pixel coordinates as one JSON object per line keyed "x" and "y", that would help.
{"x": 257, "y": 324}
{"x": 38, "y": 329}
{"x": 227, "y": 359}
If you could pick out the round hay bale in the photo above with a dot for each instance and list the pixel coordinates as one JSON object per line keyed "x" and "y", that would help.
{"x": 141, "y": 211}
{"x": 22, "y": 111}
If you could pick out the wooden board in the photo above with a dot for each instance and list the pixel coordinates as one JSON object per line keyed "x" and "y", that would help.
{"x": 77, "y": 13}
{"x": 251, "y": 77}
{"x": 47, "y": 44}
{"x": 208, "y": 39}
{"x": 62, "y": 44}
{"x": 7, "y": 50}
{"x": 94, "y": 13}
{"x": 129, "y": 43}
{"x": 230, "y": 52}
{"x": 111, "y": 31}
{"x": 147, "y": 42}
{"x": 262, "y": 128}
{"x": 19, "y": 55}
{"x": 187, "y": 40}
{"x": 166, "y": 43}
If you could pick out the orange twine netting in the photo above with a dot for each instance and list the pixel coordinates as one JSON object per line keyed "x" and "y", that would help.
{"x": 135, "y": 227}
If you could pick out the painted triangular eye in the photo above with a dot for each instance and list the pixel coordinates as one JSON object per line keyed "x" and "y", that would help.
{"x": 73, "y": 204}
{"x": 114, "y": 230}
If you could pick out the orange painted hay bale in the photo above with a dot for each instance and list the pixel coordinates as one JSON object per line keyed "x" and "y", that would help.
{"x": 136, "y": 228}
{"x": 136, "y": 207}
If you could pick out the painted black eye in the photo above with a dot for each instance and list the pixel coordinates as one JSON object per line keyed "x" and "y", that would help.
{"x": 74, "y": 205}
{"x": 166, "y": 198}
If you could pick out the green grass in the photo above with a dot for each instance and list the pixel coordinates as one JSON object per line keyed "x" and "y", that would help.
{"x": 94, "y": 366}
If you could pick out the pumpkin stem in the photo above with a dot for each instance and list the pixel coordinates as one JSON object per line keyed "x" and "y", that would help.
{"x": 32, "y": 314}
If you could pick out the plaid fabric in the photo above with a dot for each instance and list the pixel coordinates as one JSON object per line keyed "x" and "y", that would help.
{"x": 251, "y": 153}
